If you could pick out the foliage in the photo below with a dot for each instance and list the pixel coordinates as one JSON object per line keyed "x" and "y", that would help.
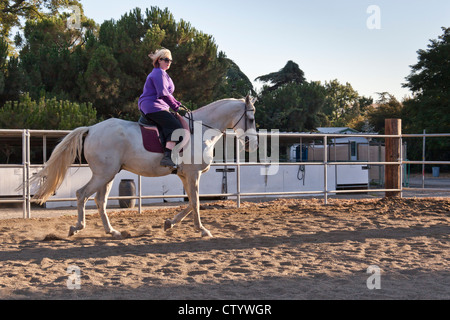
{"x": 294, "y": 104}
{"x": 429, "y": 108}
{"x": 288, "y": 101}
{"x": 3, "y": 63}
{"x": 386, "y": 107}
{"x": 51, "y": 114}
{"x": 107, "y": 65}
{"x": 235, "y": 84}
{"x": 119, "y": 63}
{"x": 343, "y": 104}
{"x": 292, "y": 107}
{"x": 102, "y": 70}
{"x": 290, "y": 73}
{"x": 14, "y": 12}
{"x": 11, "y": 77}
{"x": 430, "y": 82}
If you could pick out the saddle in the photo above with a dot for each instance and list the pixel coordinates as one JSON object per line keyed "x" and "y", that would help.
{"x": 152, "y": 140}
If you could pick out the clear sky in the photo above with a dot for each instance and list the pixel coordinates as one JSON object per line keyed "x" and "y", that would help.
{"x": 348, "y": 40}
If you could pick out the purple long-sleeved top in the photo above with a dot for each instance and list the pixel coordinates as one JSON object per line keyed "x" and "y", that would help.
{"x": 158, "y": 93}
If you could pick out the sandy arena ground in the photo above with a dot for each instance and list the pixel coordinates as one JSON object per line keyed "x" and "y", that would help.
{"x": 283, "y": 249}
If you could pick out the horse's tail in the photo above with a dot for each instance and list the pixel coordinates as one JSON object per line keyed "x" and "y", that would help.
{"x": 54, "y": 172}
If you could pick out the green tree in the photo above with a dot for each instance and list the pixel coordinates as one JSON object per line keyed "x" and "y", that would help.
{"x": 108, "y": 64}
{"x": 11, "y": 74}
{"x": 50, "y": 114}
{"x": 386, "y": 107}
{"x": 235, "y": 84}
{"x": 100, "y": 83}
{"x": 51, "y": 56}
{"x": 430, "y": 83}
{"x": 288, "y": 102}
{"x": 343, "y": 103}
{"x": 13, "y": 11}
{"x": 3, "y": 64}
{"x": 290, "y": 73}
{"x": 198, "y": 70}
{"x": 292, "y": 107}
{"x": 119, "y": 64}
{"x": 429, "y": 108}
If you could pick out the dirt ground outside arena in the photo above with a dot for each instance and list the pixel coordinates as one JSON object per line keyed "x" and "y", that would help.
{"x": 282, "y": 249}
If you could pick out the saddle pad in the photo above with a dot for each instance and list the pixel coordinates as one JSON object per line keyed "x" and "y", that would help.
{"x": 150, "y": 136}
{"x": 152, "y": 143}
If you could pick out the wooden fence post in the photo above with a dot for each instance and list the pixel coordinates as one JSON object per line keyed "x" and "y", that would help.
{"x": 392, "y": 176}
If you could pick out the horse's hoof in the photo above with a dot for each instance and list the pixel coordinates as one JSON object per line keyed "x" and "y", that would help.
{"x": 72, "y": 231}
{"x": 125, "y": 235}
{"x": 206, "y": 234}
{"x": 168, "y": 225}
{"x": 116, "y": 235}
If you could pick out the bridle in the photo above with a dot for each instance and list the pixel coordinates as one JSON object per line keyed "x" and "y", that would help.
{"x": 189, "y": 115}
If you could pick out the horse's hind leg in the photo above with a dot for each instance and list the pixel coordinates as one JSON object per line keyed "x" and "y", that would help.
{"x": 101, "y": 199}
{"x": 83, "y": 194}
{"x": 81, "y": 203}
{"x": 169, "y": 224}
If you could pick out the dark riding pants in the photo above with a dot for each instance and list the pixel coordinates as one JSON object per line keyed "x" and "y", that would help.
{"x": 167, "y": 123}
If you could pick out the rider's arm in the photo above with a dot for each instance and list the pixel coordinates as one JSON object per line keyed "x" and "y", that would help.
{"x": 164, "y": 87}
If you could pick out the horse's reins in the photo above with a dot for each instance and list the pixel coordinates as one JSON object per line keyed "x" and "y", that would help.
{"x": 189, "y": 115}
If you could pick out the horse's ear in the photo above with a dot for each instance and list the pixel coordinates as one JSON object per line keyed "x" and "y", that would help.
{"x": 247, "y": 100}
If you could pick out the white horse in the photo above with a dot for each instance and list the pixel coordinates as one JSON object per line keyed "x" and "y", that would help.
{"x": 114, "y": 145}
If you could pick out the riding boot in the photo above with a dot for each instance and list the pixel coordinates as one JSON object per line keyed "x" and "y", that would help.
{"x": 167, "y": 160}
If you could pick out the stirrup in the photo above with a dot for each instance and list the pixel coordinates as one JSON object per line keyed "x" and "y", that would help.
{"x": 167, "y": 161}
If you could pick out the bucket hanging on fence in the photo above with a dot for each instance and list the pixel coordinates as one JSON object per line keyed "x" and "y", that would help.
{"x": 127, "y": 188}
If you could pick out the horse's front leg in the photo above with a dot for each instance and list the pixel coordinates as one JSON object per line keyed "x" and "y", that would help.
{"x": 194, "y": 200}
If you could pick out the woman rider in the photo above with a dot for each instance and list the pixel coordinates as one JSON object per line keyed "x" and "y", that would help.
{"x": 157, "y": 100}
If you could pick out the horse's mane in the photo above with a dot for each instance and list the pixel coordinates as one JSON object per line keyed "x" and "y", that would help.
{"x": 210, "y": 107}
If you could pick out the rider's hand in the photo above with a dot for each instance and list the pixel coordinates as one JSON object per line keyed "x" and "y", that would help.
{"x": 183, "y": 110}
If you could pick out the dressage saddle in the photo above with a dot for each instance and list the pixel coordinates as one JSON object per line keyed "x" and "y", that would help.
{"x": 148, "y": 125}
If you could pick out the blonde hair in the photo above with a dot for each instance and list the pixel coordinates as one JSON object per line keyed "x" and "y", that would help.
{"x": 160, "y": 54}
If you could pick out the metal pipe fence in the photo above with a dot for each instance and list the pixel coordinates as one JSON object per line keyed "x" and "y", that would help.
{"x": 26, "y": 167}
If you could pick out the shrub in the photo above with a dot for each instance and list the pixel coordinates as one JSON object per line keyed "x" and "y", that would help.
{"x": 46, "y": 114}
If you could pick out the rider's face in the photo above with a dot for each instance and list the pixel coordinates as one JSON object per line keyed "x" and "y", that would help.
{"x": 165, "y": 63}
